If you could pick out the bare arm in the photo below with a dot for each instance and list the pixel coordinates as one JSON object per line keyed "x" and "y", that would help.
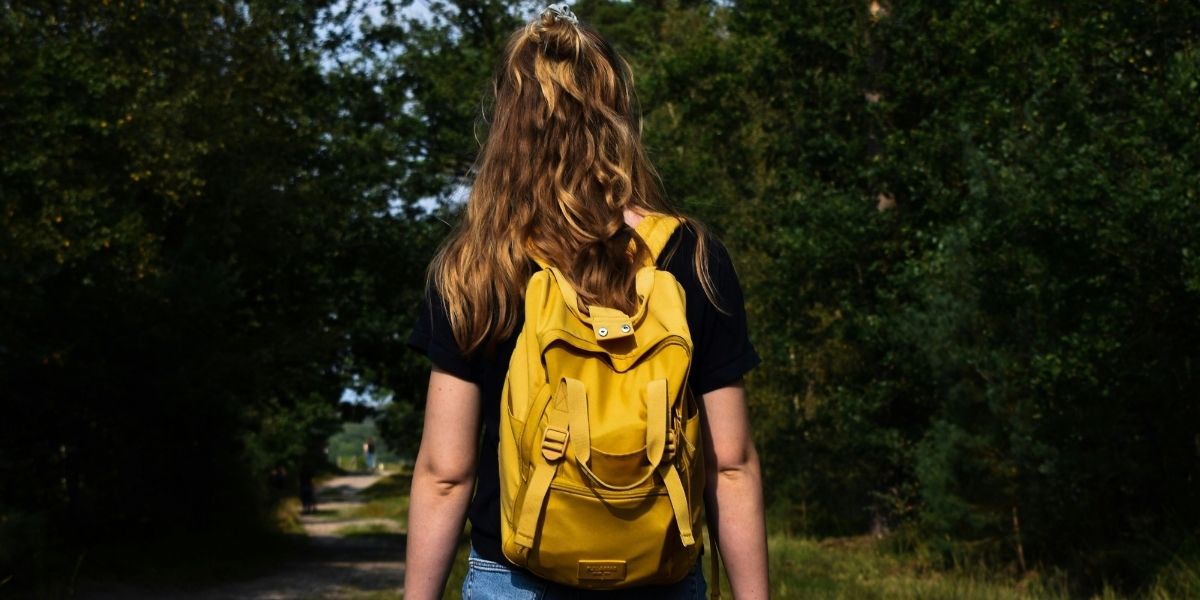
{"x": 733, "y": 493}
{"x": 443, "y": 478}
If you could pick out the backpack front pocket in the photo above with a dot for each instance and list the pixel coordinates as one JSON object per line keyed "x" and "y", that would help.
{"x": 605, "y": 540}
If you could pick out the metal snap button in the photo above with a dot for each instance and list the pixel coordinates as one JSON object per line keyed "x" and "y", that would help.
{"x": 603, "y": 331}
{"x": 625, "y": 328}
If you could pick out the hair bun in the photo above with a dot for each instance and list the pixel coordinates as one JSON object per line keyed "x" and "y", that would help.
{"x": 557, "y": 33}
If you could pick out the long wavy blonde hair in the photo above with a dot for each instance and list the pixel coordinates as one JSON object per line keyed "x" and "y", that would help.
{"x": 562, "y": 162}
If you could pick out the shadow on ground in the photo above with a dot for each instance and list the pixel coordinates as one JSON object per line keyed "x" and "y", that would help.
{"x": 345, "y": 557}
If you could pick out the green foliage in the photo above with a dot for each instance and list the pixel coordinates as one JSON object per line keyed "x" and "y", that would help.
{"x": 204, "y": 242}
{"x": 967, "y": 234}
{"x": 1043, "y": 294}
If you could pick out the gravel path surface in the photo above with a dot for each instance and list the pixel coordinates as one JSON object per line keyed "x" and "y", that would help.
{"x": 335, "y": 567}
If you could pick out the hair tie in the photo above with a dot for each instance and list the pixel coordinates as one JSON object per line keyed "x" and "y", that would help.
{"x": 562, "y": 11}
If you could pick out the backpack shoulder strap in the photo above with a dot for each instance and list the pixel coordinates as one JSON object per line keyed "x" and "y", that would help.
{"x": 656, "y": 230}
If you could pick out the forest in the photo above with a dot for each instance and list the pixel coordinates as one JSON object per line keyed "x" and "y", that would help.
{"x": 968, "y": 235}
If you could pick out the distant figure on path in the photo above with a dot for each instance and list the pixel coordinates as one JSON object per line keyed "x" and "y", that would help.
{"x": 278, "y": 479}
{"x": 308, "y": 492}
{"x": 369, "y": 451}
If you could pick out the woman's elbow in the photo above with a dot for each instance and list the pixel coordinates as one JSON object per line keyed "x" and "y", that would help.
{"x": 443, "y": 475}
{"x": 736, "y": 464}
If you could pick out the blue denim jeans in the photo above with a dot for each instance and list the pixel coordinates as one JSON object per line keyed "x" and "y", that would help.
{"x": 487, "y": 580}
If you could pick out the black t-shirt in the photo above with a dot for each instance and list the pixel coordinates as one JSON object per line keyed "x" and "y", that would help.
{"x": 722, "y": 353}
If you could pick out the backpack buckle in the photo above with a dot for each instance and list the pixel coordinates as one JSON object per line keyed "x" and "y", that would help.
{"x": 554, "y": 443}
{"x": 672, "y": 444}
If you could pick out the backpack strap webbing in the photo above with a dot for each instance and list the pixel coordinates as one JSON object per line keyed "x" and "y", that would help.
{"x": 657, "y": 399}
{"x": 545, "y": 465}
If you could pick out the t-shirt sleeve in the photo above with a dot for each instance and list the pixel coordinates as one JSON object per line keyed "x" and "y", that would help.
{"x": 432, "y": 336}
{"x": 722, "y": 351}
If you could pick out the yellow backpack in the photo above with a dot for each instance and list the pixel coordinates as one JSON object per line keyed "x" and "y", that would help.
{"x": 601, "y": 466}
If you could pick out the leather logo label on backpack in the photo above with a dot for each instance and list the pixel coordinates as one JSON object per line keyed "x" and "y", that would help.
{"x": 601, "y": 570}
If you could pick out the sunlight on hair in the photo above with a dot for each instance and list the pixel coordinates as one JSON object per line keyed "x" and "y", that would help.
{"x": 562, "y": 163}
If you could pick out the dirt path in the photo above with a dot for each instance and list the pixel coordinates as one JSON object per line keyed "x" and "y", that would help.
{"x": 337, "y": 565}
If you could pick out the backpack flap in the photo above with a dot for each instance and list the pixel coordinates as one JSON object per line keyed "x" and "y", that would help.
{"x": 558, "y": 318}
{"x": 610, "y": 324}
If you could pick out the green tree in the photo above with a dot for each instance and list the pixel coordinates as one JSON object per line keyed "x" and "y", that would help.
{"x": 1042, "y": 170}
{"x": 206, "y": 238}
